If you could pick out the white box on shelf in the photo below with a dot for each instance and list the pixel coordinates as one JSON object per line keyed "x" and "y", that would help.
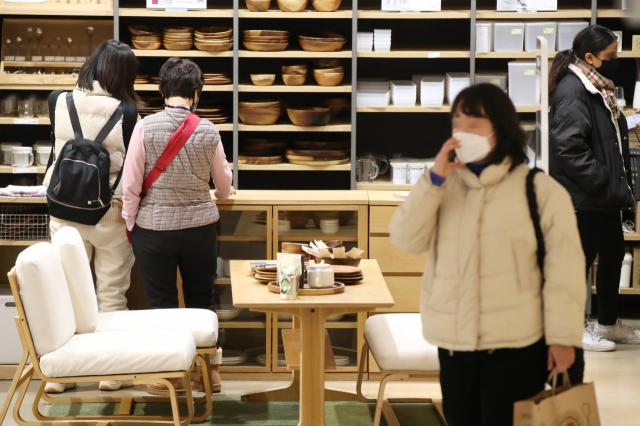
{"x": 508, "y": 36}
{"x": 456, "y": 82}
{"x": 527, "y": 5}
{"x": 619, "y": 38}
{"x": 11, "y": 348}
{"x": 176, "y": 4}
{"x": 567, "y": 32}
{"x": 522, "y": 83}
{"x": 497, "y": 78}
{"x": 533, "y": 30}
{"x": 412, "y": 5}
{"x": 484, "y": 37}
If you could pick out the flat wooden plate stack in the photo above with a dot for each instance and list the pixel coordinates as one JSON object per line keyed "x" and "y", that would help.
{"x": 215, "y": 113}
{"x": 347, "y": 274}
{"x": 142, "y": 79}
{"x": 155, "y": 79}
{"x": 214, "y": 39}
{"x": 217, "y": 78}
{"x": 318, "y": 157}
{"x": 322, "y": 145}
{"x": 145, "y": 38}
{"x": 265, "y": 275}
{"x": 265, "y": 40}
{"x": 256, "y": 158}
{"x": 177, "y": 38}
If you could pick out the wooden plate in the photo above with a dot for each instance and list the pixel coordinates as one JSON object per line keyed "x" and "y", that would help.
{"x": 320, "y": 163}
{"x": 345, "y": 269}
{"x": 314, "y": 158}
{"x": 319, "y": 152}
{"x": 306, "y": 291}
{"x": 244, "y": 159}
{"x": 263, "y": 269}
{"x": 323, "y": 145}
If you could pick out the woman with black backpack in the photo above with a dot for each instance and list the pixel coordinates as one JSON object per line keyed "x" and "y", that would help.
{"x": 106, "y": 80}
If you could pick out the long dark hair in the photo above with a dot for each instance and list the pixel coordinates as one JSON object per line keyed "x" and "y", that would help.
{"x": 114, "y": 65}
{"x": 489, "y": 101}
{"x": 593, "y": 39}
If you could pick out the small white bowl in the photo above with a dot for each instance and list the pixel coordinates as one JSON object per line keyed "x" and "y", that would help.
{"x": 283, "y": 226}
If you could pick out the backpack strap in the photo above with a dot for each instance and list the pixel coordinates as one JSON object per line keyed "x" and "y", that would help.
{"x": 73, "y": 115}
{"x": 177, "y": 141}
{"x": 535, "y": 218}
{"x": 129, "y": 120}
{"x": 53, "y": 100}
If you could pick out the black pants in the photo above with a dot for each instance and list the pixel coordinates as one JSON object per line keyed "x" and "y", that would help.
{"x": 601, "y": 235}
{"x": 479, "y": 388}
{"x": 159, "y": 255}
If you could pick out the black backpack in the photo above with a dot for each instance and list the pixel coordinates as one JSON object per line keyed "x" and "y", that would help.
{"x": 79, "y": 189}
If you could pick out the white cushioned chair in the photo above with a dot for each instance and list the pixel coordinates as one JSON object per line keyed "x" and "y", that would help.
{"x": 399, "y": 349}
{"x": 201, "y": 323}
{"x": 47, "y": 327}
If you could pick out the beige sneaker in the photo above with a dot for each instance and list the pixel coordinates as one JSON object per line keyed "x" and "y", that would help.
{"x": 619, "y": 333}
{"x": 114, "y": 385}
{"x": 55, "y": 388}
{"x": 162, "y": 390}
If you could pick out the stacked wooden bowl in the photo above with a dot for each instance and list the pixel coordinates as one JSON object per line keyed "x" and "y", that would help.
{"x": 292, "y": 5}
{"x": 177, "y": 38}
{"x": 326, "y": 5}
{"x": 266, "y": 40}
{"x": 215, "y": 113}
{"x": 214, "y": 39}
{"x": 325, "y": 41}
{"x": 309, "y": 116}
{"x": 294, "y": 75}
{"x": 262, "y": 151}
{"x": 315, "y": 157}
{"x": 259, "y": 113}
{"x": 329, "y": 76}
{"x": 142, "y": 79}
{"x": 258, "y": 5}
{"x": 145, "y": 38}
{"x": 216, "y": 78}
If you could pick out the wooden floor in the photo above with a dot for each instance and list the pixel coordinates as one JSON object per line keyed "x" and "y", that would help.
{"x": 616, "y": 374}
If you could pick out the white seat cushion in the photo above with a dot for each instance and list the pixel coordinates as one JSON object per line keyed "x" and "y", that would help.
{"x": 45, "y": 295}
{"x": 76, "y": 267}
{"x": 397, "y": 343}
{"x": 126, "y": 352}
{"x": 202, "y": 323}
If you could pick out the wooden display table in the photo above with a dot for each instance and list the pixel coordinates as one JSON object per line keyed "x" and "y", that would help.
{"x": 311, "y": 313}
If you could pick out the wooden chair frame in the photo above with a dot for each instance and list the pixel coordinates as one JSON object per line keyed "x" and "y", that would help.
{"x": 24, "y": 374}
{"x": 383, "y": 405}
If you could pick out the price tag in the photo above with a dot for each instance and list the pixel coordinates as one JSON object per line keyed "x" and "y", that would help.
{"x": 9, "y": 58}
{"x": 36, "y": 58}
{"x": 549, "y": 31}
{"x": 49, "y": 58}
{"x": 59, "y": 59}
{"x": 530, "y": 72}
{"x": 25, "y": 121}
{"x": 173, "y": 9}
{"x": 431, "y": 55}
{"x": 516, "y": 31}
{"x": 24, "y": 170}
{"x": 70, "y": 59}
{"x": 21, "y": 59}
{"x": 81, "y": 58}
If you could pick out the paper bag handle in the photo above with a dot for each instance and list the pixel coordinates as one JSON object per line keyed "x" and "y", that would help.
{"x": 553, "y": 378}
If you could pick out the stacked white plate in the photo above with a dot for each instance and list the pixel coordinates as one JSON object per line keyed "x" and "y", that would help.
{"x": 373, "y": 93}
{"x": 342, "y": 361}
{"x": 228, "y": 314}
{"x": 432, "y": 91}
{"x": 365, "y": 42}
{"x": 456, "y": 82}
{"x": 382, "y": 40}
{"x": 282, "y": 360}
{"x": 403, "y": 93}
{"x": 233, "y": 357}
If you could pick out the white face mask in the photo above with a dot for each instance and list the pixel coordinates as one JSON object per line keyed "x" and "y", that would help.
{"x": 472, "y": 147}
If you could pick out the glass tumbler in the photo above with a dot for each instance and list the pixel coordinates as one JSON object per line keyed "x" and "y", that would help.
{"x": 620, "y": 96}
{"x": 8, "y": 107}
{"x": 366, "y": 170}
{"x": 43, "y": 108}
{"x": 27, "y": 108}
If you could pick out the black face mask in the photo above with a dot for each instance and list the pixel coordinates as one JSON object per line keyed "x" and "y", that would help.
{"x": 609, "y": 68}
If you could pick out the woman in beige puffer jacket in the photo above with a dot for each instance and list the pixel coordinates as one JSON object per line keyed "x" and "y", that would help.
{"x": 498, "y": 331}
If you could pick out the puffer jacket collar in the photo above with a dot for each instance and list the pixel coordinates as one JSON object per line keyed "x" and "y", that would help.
{"x": 491, "y": 176}
{"x": 96, "y": 91}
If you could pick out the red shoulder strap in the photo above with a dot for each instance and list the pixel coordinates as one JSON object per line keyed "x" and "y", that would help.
{"x": 178, "y": 139}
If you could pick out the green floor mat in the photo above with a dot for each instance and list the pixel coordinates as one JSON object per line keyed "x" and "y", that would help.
{"x": 230, "y": 411}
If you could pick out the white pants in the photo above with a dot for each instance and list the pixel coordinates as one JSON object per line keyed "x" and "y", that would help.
{"x": 112, "y": 256}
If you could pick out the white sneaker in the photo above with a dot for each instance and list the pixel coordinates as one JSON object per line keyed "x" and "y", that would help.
{"x": 595, "y": 342}
{"x": 114, "y": 385}
{"x": 54, "y": 388}
{"x": 618, "y": 333}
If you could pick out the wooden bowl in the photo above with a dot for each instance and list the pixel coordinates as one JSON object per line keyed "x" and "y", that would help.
{"x": 299, "y": 220}
{"x": 326, "y": 5}
{"x": 345, "y": 217}
{"x": 259, "y": 104}
{"x": 143, "y": 30}
{"x": 311, "y": 116}
{"x": 293, "y": 247}
{"x": 214, "y": 41}
{"x": 320, "y": 46}
{"x": 292, "y": 5}
{"x": 294, "y": 69}
{"x": 214, "y": 31}
{"x": 214, "y": 47}
{"x": 177, "y": 46}
{"x": 263, "y": 79}
{"x": 259, "y": 116}
{"x": 178, "y": 29}
{"x": 146, "y": 38}
{"x": 258, "y": 5}
{"x": 147, "y": 45}
{"x": 267, "y": 33}
{"x": 265, "y": 47}
{"x": 294, "y": 79}
{"x": 328, "y": 79}
{"x": 324, "y": 36}
{"x": 329, "y": 70}
{"x": 346, "y": 262}
{"x": 337, "y": 106}
{"x": 326, "y": 63}
{"x": 266, "y": 39}
{"x": 186, "y": 37}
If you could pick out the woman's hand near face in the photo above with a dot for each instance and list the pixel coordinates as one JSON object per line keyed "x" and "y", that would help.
{"x": 443, "y": 167}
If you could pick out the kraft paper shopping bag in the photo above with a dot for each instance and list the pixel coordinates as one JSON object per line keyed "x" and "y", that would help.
{"x": 561, "y": 406}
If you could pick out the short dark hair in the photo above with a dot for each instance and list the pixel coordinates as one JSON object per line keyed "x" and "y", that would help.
{"x": 180, "y": 77}
{"x": 114, "y": 65}
{"x": 489, "y": 101}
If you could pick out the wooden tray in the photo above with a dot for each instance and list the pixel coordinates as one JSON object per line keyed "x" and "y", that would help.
{"x": 319, "y": 152}
{"x": 337, "y": 288}
{"x": 259, "y": 160}
{"x": 320, "y": 163}
{"x": 314, "y": 158}
{"x": 346, "y": 270}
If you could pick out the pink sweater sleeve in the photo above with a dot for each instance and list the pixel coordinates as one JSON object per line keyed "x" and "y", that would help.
{"x": 221, "y": 173}
{"x": 133, "y": 176}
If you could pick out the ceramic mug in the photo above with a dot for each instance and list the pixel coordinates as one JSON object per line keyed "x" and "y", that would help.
{"x": 320, "y": 276}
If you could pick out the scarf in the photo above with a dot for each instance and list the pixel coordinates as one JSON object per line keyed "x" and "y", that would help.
{"x": 604, "y": 85}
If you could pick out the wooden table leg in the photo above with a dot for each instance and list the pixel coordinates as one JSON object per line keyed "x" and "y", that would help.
{"x": 311, "y": 357}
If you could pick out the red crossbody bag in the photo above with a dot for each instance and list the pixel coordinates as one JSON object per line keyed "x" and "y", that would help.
{"x": 176, "y": 142}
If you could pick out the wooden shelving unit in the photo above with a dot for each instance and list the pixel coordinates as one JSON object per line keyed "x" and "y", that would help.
{"x": 288, "y": 167}
{"x": 307, "y": 88}
{"x": 444, "y": 14}
{"x": 560, "y": 14}
{"x": 163, "y": 53}
{"x": 206, "y": 88}
{"x": 22, "y": 170}
{"x": 293, "y": 128}
{"x": 417, "y": 52}
{"x": 307, "y": 14}
{"x": 210, "y": 12}
{"x": 510, "y": 55}
{"x": 18, "y": 121}
{"x": 294, "y": 54}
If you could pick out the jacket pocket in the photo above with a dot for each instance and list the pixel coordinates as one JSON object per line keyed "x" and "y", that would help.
{"x": 521, "y": 252}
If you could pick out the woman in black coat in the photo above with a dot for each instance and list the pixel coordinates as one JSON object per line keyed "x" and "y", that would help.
{"x": 589, "y": 156}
